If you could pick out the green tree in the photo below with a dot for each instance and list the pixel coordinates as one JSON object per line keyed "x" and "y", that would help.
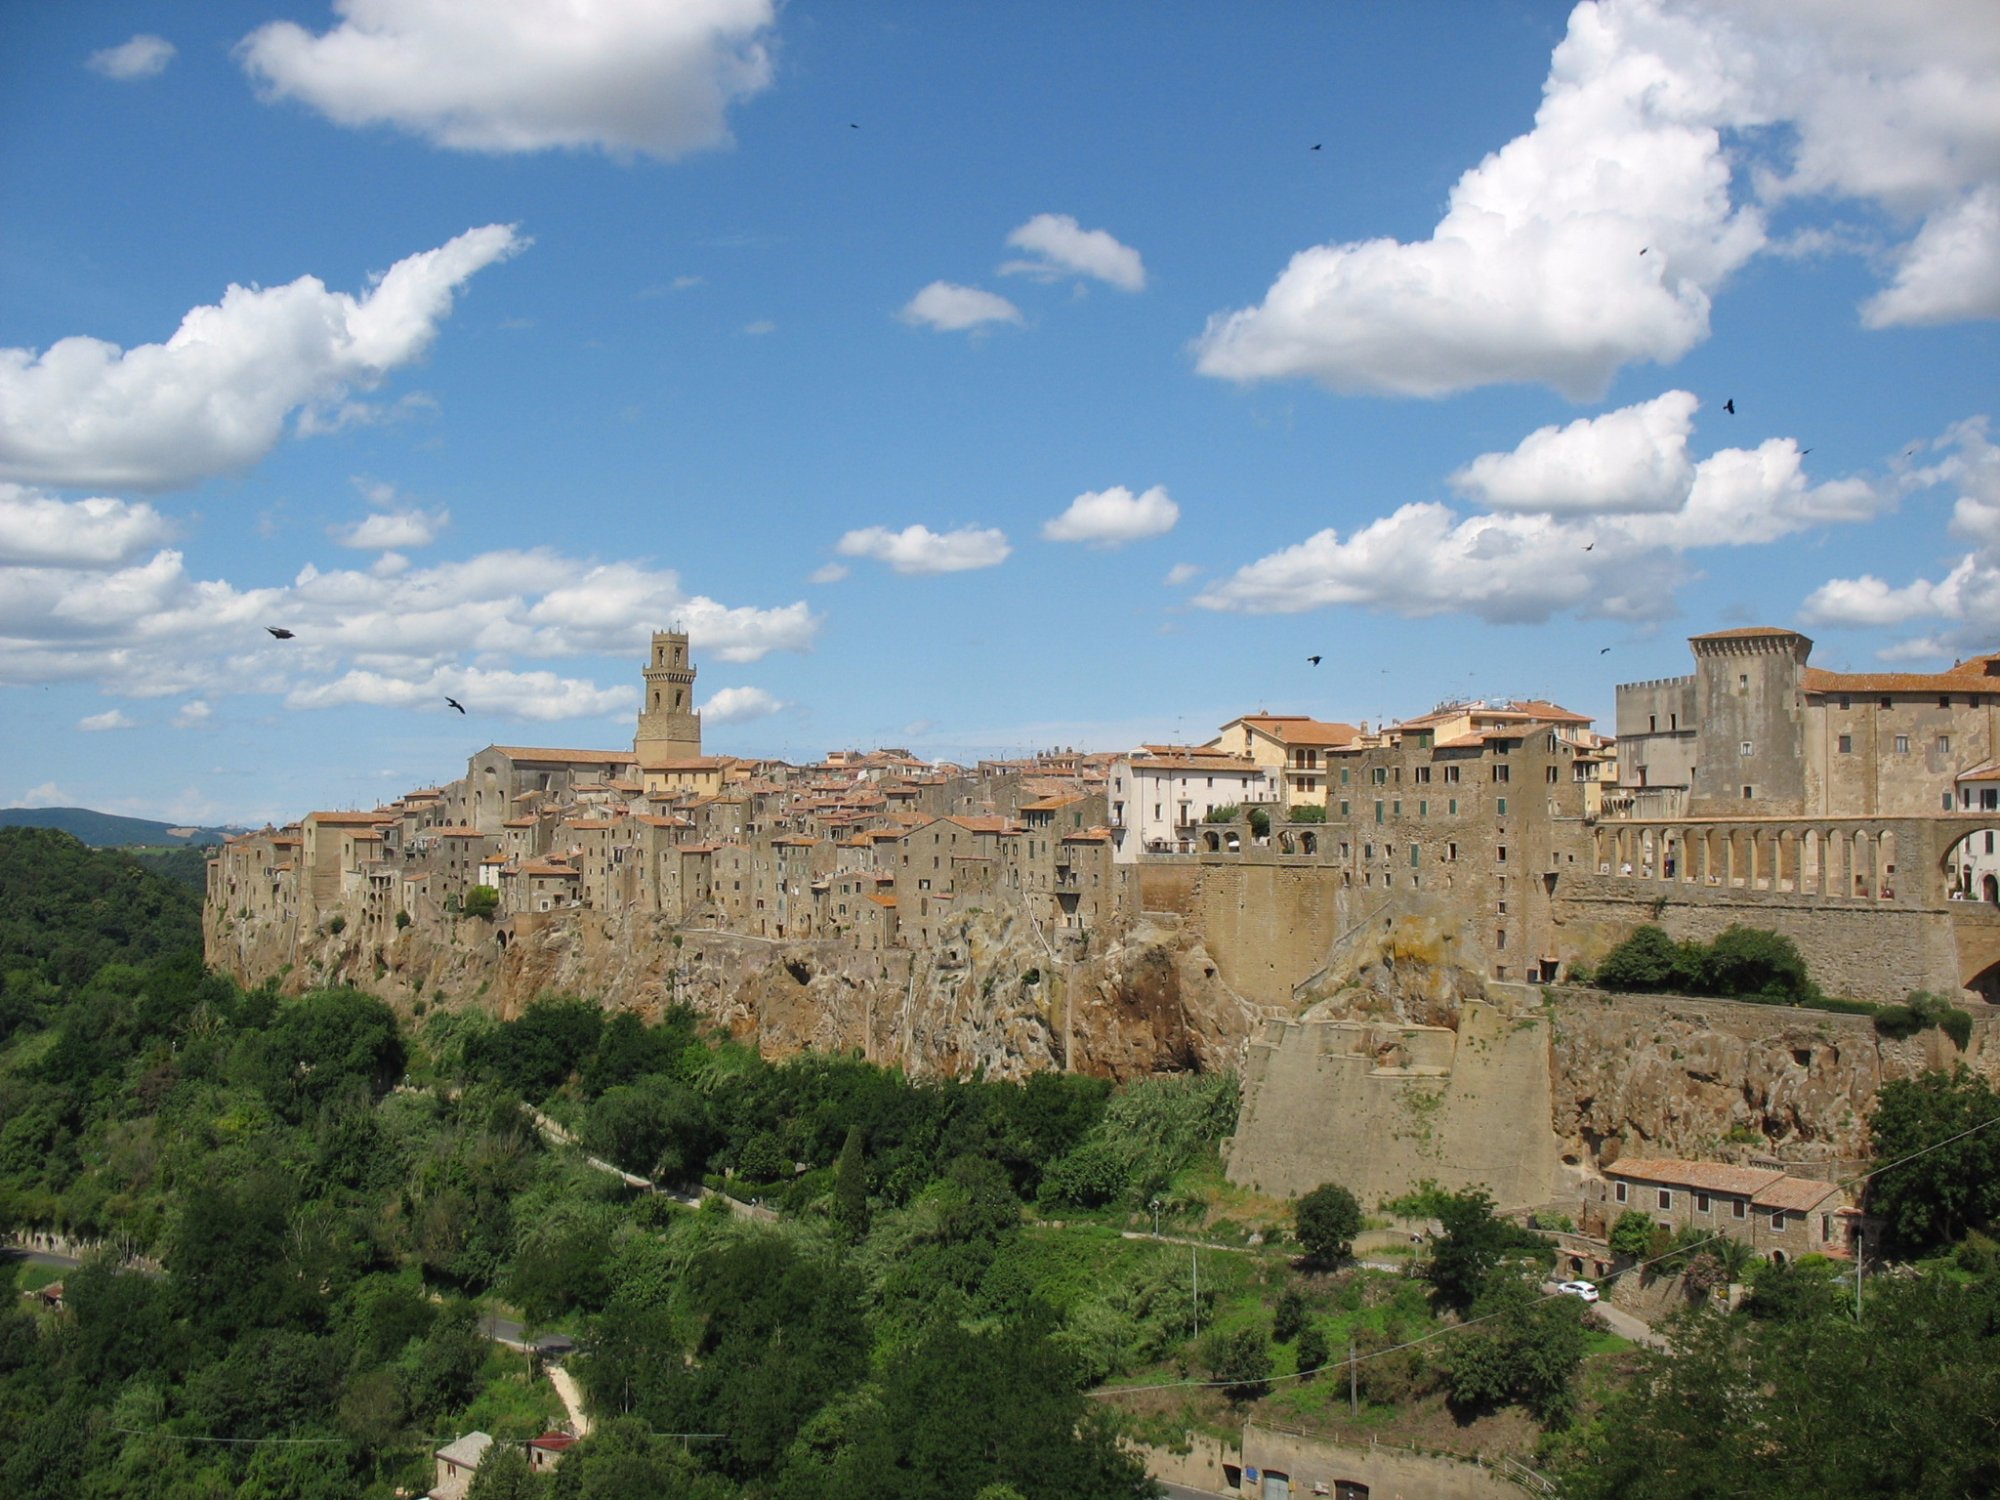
{"x": 1646, "y": 960}
{"x": 1751, "y": 961}
{"x": 1632, "y": 1235}
{"x": 1938, "y": 1154}
{"x": 850, "y": 1187}
{"x": 1312, "y": 1350}
{"x": 1289, "y": 1318}
{"x": 505, "y": 1474}
{"x": 1325, "y": 1221}
{"x": 1474, "y": 1241}
{"x": 481, "y": 901}
{"x": 1240, "y": 1358}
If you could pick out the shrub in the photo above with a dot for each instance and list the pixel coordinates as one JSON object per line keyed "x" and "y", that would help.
{"x": 481, "y": 901}
{"x": 337, "y": 924}
{"x": 1313, "y": 1353}
{"x": 402, "y": 920}
{"x": 1632, "y": 1235}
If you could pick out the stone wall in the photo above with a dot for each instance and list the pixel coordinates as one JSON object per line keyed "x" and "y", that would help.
{"x": 1223, "y": 1468}
{"x": 1379, "y": 1107}
{"x": 1860, "y": 950}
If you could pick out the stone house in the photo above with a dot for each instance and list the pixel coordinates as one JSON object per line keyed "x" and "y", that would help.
{"x": 1777, "y": 1215}
{"x": 498, "y": 776}
{"x": 457, "y": 1461}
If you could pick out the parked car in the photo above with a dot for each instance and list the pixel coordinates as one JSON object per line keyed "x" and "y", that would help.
{"x": 1584, "y": 1289}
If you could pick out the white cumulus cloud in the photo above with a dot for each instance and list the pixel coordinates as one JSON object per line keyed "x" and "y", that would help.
{"x": 214, "y": 397}
{"x": 918, "y": 549}
{"x": 1965, "y": 602}
{"x": 145, "y": 56}
{"x": 37, "y": 530}
{"x": 1063, "y": 247}
{"x": 193, "y": 714}
{"x": 623, "y": 76}
{"x": 1650, "y": 122}
{"x": 536, "y": 697}
{"x": 111, "y": 718}
{"x": 392, "y": 529}
{"x": 831, "y": 572}
{"x": 1525, "y": 564}
{"x": 950, "y": 308}
{"x": 737, "y": 705}
{"x": 1182, "y": 573}
{"x": 1635, "y": 458}
{"x": 1113, "y": 517}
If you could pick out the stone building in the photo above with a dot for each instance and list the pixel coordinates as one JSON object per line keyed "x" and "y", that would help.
{"x": 1160, "y": 795}
{"x": 1755, "y": 730}
{"x": 1296, "y": 748}
{"x": 1777, "y": 1215}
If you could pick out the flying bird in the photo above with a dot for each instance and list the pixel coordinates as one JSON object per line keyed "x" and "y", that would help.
{"x": 455, "y": 704}
{"x": 1588, "y": 545}
{"x": 1730, "y": 406}
{"x": 283, "y": 635}
{"x": 1313, "y": 659}
{"x": 1644, "y": 248}
{"x": 1603, "y": 650}
{"x": 1317, "y": 147}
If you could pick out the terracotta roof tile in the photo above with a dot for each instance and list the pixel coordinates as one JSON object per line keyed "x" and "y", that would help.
{"x": 1700, "y": 1176}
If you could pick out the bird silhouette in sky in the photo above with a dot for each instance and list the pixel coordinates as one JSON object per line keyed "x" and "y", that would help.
{"x": 1314, "y": 660}
{"x": 1588, "y": 545}
{"x": 281, "y": 634}
{"x": 1644, "y": 248}
{"x": 456, "y": 704}
{"x": 1603, "y": 650}
{"x": 1317, "y": 147}
{"x": 1730, "y": 406}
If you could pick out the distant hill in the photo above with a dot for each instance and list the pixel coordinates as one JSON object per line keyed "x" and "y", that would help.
{"x": 108, "y": 830}
{"x": 66, "y": 911}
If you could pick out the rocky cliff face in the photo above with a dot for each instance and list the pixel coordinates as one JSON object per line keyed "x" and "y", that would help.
{"x": 1000, "y": 997}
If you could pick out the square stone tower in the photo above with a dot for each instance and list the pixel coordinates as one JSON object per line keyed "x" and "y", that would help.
{"x": 669, "y": 728}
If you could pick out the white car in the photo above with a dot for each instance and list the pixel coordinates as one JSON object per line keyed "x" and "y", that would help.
{"x": 1584, "y": 1289}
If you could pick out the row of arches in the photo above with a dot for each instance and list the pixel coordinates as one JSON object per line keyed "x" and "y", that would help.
{"x": 1843, "y": 863}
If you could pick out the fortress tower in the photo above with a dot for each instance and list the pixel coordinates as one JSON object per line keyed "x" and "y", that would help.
{"x": 669, "y": 728}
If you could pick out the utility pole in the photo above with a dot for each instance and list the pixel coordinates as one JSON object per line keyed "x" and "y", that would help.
{"x": 1194, "y": 1267}
{"x": 1353, "y": 1382}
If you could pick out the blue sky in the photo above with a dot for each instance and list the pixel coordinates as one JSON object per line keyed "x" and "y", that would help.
{"x": 970, "y": 378}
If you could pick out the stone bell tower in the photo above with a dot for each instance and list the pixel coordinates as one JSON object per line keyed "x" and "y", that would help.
{"x": 669, "y": 728}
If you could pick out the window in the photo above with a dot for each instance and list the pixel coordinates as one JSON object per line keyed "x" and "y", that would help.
{"x": 1846, "y": 744}
{"x": 1423, "y": 809}
{"x": 1944, "y": 700}
{"x": 1549, "y": 775}
{"x": 1737, "y": 1208}
{"x": 1501, "y": 807}
{"x": 1502, "y": 857}
{"x": 1380, "y": 775}
{"x": 1744, "y": 748}
{"x": 1451, "y": 774}
{"x": 1423, "y": 775}
{"x": 1343, "y": 775}
{"x": 1622, "y": 1192}
{"x": 1666, "y": 1197}
{"x": 1701, "y": 1203}
{"x": 1777, "y": 1221}
{"x": 1413, "y": 856}
{"x": 1902, "y": 744}
{"x": 1378, "y": 809}
{"x": 1885, "y": 702}
{"x": 1346, "y": 809}
{"x": 1652, "y": 723}
{"x": 1944, "y": 744}
{"x": 1451, "y": 851}
{"x": 1454, "y": 807}
{"x": 1501, "y": 773}
{"x": 1845, "y": 701}
{"x": 1396, "y": 807}
{"x": 1749, "y": 792}
{"x": 1742, "y": 682}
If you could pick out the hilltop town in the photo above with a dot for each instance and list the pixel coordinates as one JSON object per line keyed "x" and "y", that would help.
{"x": 1387, "y": 916}
{"x": 1847, "y": 810}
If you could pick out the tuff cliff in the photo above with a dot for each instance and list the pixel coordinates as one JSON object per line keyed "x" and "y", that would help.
{"x": 1000, "y": 997}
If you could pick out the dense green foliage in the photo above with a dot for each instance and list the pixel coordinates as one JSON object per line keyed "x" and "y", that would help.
{"x": 1810, "y": 1403}
{"x": 1474, "y": 1245}
{"x": 1953, "y": 1119}
{"x": 67, "y": 910}
{"x": 1743, "y": 963}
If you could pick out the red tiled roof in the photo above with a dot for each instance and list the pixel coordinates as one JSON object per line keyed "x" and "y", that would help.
{"x": 1702, "y": 1176}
